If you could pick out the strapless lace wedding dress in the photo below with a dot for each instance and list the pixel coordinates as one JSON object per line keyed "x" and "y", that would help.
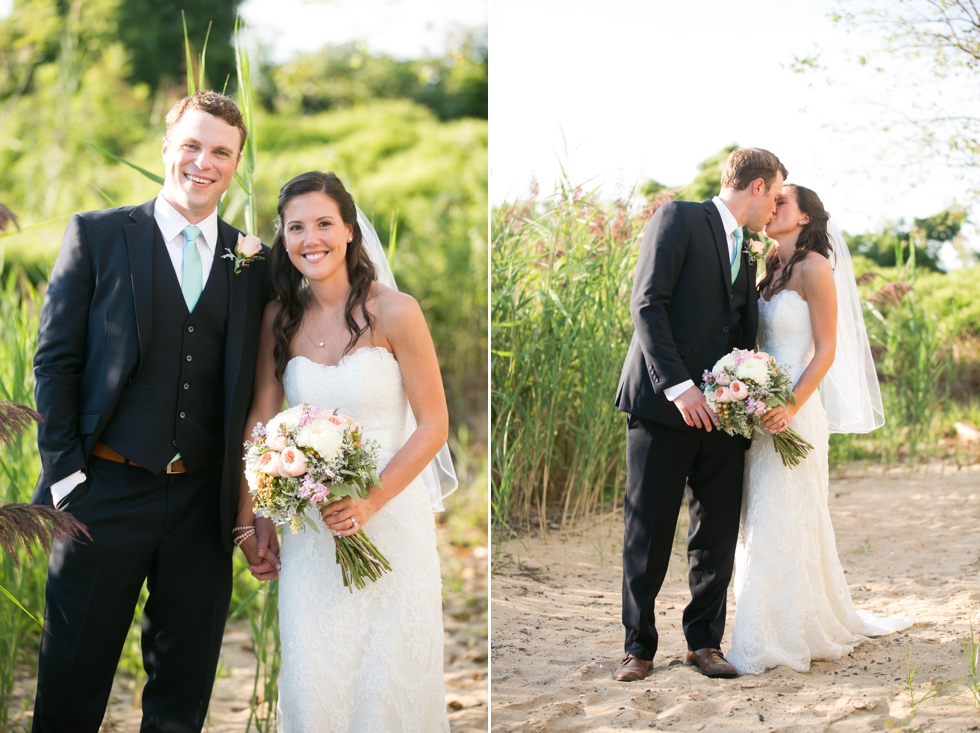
{"x": 792, "y": 600}
{"x": 370, "y": 661}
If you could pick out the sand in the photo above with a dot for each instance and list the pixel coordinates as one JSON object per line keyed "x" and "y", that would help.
{"x": 908, "y": 541}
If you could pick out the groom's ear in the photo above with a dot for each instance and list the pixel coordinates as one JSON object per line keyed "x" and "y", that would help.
{"x": 759, "y": 186}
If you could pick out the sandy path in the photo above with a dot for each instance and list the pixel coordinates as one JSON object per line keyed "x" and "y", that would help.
{"x": 909, "y": 543}
{"x": 464, "y": 617}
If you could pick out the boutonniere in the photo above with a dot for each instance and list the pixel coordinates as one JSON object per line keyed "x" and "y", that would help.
{"x": 753, "y": 249}
{"x": 246, "y": 252}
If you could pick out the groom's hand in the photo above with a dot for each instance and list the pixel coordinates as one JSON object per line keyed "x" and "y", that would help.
{"x": 694, "y": 409}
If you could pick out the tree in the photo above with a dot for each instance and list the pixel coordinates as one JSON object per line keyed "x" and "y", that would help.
{"x": 945, "y": 34}
{"x": 928, "y": 235}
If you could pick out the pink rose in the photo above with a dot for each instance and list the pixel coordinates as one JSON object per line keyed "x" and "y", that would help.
{"x": 761, "y": 356}
{"x": 723, "y": 379}
{"x": 292, "y": 462}
{"x": 723, "y": 394}
{"x": 756, "y": 248}
{"x": 270, "y": 463}
{"x": 739, "y": 390}
{"x": 248, "y": 246}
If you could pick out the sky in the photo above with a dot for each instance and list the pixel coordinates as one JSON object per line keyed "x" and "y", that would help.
{"x": 628, "y": 90}
{"x": 401, "y": 28}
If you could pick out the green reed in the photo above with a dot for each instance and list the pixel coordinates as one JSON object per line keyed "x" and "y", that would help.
{"x": 561, "y": 278}
{"x": 23, "y": 576}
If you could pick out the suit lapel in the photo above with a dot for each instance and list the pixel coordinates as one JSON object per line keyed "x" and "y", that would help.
{"x": 238, "y": 287}
{"x": 721, "y": 243}
{"x": 139, "y": 241}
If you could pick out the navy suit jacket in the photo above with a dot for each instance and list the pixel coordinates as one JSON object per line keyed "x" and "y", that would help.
{"x": 681, "y": 308}
{"x": 95, "y": 329}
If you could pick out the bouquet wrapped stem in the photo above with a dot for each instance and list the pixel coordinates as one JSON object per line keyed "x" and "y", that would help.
{"x": 791, "y": 447}
{"x": 358, "y": 558}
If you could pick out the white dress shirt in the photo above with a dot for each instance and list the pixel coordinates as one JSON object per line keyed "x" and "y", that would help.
{"x": 729, "y": 225}
{"x": 171, "y": 224}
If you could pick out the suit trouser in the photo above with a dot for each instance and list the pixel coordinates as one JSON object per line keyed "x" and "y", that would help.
{"x": 162, "y": 529}
{"x": 660, "y": 462}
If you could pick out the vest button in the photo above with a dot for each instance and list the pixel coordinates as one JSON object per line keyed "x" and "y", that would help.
{"x": 188, "y": 357}
{"x": 186, "y": 385}
{"x": 183, "y": 414}
{"x": 175, "y": 444}
{"x": 725, "y": 329}
{"x": 190, "y": 329}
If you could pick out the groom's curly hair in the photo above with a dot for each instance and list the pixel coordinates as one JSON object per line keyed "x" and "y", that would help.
{"x": 813, "y": 238}
{"x": 288, "y": 284}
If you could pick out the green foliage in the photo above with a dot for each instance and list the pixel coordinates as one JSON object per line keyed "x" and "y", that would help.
{"x": 560, "y": 327}
{"x": 153, "y": 34}
{"x": 894, "y": 240}
{"x": 337, "y": 77}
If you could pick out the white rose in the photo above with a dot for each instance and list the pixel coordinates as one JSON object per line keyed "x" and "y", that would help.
{"x": 322, "y": 436}
{"x": 725, "y": 362}
{"x": 754, "y": 370}
{"x": 252, "y": 477}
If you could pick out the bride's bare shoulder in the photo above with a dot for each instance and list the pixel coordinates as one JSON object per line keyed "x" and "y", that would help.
{"x": 391, "y": 307}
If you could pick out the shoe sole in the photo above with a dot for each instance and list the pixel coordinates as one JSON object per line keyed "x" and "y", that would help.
{"x": 716, "y": 675}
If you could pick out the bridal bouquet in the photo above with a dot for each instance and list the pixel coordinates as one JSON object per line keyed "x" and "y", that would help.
{"x": 741, "y": 387}
{"x": 308, "y": 456}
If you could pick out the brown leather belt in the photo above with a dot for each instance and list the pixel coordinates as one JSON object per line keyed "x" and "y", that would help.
{"x": 101, "y": 450}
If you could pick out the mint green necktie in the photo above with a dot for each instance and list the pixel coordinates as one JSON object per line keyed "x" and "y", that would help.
{"x": 191, "y": 281}
{"x": 736, "y": 256}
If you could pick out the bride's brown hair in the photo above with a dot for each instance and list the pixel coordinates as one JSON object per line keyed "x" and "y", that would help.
{"x": 289, "y": 286}
{"x": 813, "y": 238}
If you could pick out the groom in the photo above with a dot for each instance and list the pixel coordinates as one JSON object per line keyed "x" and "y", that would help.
{"x": 694, "y": 300}
{"x": 143, "y": 374}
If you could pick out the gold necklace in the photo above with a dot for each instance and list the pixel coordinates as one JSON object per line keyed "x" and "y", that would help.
{"x": 323, "y": 337}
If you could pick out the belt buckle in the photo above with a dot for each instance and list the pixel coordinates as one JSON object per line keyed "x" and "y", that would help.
{"x": 170, "y": 468}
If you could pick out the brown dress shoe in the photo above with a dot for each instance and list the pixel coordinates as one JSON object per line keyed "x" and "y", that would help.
{"x": 632, "y": 668}
{"x": 712, "y": 663}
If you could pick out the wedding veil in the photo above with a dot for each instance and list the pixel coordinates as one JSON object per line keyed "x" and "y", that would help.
{"x": 439, "y": 476}
{"x": 850, "y": 391}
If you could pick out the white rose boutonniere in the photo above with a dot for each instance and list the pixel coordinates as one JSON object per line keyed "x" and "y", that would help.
{"x": 246, "y": 252}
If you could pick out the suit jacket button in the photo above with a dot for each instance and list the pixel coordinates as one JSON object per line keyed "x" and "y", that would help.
{"x": 190, "y": 329}
{"x": 725, "y": 329}
{"x": 188, "y": 357}
{"x": 183, "y": 414}
{"x": 186, "y": 385}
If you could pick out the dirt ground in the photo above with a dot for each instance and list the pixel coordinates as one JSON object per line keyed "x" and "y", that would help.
{"x": 464, "y": 618}
{"x": 909, "y": 541}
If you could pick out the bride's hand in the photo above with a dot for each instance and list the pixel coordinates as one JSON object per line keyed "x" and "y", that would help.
{"x": 348, "y": 515}
{"x": 778, "y": 419}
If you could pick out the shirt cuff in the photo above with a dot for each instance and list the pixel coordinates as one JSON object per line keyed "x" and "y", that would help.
{"x": 61, "y": 489}
{"x": 672, "y": 393}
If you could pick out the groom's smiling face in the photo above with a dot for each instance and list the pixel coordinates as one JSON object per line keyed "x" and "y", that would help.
{"x": 200, "y": 154}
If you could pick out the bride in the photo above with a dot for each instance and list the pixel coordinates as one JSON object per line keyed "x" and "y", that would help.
{"x": 792, "y": 600}
{"x": 336, "y": 337}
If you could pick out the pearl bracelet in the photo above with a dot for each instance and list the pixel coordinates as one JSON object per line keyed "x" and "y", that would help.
{"x": 239, "y": 539}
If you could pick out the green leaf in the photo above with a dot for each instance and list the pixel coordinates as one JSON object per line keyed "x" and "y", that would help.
{"x": 151, "y": 176}
{"x": 18, "y": 604}
{"x": 191, "y": 89}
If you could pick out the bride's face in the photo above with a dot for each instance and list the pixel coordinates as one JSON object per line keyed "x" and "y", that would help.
{"x": 788, "y": 217}
{"x": 316, "y": 236}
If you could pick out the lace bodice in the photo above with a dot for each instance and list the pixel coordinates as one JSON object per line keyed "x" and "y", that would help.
{"x": 785, "y": 332}
{"x": 366, "y": 384}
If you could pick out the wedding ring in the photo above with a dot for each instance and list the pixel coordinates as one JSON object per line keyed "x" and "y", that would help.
{"x": 784, "y": 423}
{"x": 353, "y": 522}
